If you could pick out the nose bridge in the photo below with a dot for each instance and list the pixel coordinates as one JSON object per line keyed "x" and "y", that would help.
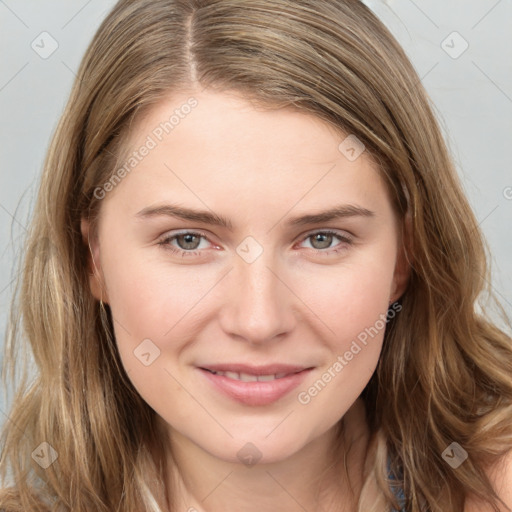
{"x": 260, "y": 306}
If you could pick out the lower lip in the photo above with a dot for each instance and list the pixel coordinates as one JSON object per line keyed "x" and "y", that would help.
{"x": 256, "y": 393}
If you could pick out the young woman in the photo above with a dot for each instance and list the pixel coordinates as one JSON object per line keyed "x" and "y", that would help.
{"x": 251, "y": 280}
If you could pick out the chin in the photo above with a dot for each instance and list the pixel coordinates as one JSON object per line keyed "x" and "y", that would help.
{"x": 260, "y": 447}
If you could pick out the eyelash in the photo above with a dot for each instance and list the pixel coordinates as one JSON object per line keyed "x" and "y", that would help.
{"x": 166, "y": 242}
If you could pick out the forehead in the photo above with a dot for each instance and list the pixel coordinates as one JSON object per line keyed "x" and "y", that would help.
{"x": 220, "y": 118}
{"x": 222, "y": 145}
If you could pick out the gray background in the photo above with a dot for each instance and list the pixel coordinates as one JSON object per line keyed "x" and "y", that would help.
{"x": 472, "y": 92}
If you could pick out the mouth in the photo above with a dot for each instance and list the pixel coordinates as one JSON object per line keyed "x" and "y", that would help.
{"x": 248, "y": 377}
{"x": 253, "y": 385}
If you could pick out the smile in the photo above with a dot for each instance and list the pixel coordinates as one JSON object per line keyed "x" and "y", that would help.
{"x": 254, "y": 386}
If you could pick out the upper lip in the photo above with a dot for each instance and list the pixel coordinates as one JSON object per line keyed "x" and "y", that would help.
{"x": 268, "y": 369}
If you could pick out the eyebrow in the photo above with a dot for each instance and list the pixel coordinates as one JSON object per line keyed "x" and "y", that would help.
{"x": 208, "y": 217}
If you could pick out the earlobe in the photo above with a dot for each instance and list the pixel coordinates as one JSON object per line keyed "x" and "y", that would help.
{"x": 91, "y": 243}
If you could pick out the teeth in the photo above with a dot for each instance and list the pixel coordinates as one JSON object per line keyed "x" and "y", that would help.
{"x": 246, "y": 377}
{"x": 264, "y": 378}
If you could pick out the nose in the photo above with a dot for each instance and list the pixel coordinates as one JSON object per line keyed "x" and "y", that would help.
{"x": 259, "y": 307}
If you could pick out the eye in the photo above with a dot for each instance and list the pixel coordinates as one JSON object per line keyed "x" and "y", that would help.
{"x": 322, "y": 240}
{"x": 187, "y": 243}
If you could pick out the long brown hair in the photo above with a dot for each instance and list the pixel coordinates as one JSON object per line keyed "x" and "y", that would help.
{"x": 445, "y": 371}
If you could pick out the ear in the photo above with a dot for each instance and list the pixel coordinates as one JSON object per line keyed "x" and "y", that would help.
{"x": 96, "y": 281}
{"x": 403, "y": 264}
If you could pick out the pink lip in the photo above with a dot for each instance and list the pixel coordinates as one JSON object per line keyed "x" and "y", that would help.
{"x": 256, "y": 393}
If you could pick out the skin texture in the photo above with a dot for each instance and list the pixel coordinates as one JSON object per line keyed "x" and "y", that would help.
{"x": 293, "y": 304}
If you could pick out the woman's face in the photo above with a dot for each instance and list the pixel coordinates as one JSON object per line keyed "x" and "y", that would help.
{"x": 285, "y": 303}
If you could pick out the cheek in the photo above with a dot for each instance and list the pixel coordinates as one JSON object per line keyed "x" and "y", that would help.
{"x": 153, "y": 314}
{"x": 349, "y": 299}
{"x": 146, "y": 288}
{"x": 353, "y": 305}
{"x": 153, "y": 300}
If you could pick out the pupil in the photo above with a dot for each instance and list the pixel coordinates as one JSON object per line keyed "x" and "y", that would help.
{"x": 327, "y": 239}
{"x": 189, "y": 240}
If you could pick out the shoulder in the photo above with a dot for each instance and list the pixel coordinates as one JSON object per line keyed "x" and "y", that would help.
{"x": 500, "y": 475}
